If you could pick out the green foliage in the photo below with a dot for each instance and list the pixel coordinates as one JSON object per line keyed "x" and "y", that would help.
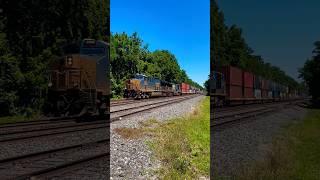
{"x": 311, "y": 72}
{"x": 129, "y": 55}
{"x": 32, "y": 33}
{"x": 228, "y": 47}
{"x": 207, "y": 85}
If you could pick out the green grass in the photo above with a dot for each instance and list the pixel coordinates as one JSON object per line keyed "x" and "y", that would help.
{"x": 294, "y": 155}
{"x": 14, "y": 119}
{"x": 117, "y": 97}
{"x": 183, "y": 144}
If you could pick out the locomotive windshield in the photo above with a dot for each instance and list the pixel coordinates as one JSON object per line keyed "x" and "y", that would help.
{"x": 93, "y": 47}
{"x": 93, "y": 51}
{"x": 139, "y": 76}
{"x": 72, "y": 48}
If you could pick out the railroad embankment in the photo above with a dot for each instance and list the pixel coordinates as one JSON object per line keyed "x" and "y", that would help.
{"x": 293, "y": 155}
{"x": 183, "y": 144}
{"x": 169, "y": 141}
{"x": 242, "y": 145}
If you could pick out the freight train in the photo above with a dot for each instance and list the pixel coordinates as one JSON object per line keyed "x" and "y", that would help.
{"x": 231, "y": 85}
{"x": 141, "y": 86}
{"x": 78, "y": 80}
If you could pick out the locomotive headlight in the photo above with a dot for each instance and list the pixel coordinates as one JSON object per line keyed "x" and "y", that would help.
{"x": 69, "y": 60}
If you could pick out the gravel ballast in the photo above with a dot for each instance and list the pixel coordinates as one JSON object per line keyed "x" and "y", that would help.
{"x": 132, "y": 158}
{"x": 239, "y": 146}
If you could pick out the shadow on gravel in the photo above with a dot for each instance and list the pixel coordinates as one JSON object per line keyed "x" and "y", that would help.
{"x": 90, "y": 118}
{"x": 310, "y": 105}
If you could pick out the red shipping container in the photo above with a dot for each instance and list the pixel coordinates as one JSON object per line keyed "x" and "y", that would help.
{"x": 248, "y": 93}
{"x": 188, "y": 88}
{"x": 233, "y": 75}
{"x": 234, "y": 92}
{"x": 185, "y": 88}
{"x": 247, "y": 80}
{"x": 184, "y": 85}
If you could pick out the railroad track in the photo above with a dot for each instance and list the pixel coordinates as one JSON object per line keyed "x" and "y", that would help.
{"x": 137, "y": 101}
{"x": 122, "y": 102}
{"x": 34, "y": 130}
{"x": 146, "y": 107}
{"x": 224, "y": 120}
{"x": 21, "y": 131}
{"x": 52, "y": 162}
{"x": 63, "y": 121}
{"x": 48, "y": 163}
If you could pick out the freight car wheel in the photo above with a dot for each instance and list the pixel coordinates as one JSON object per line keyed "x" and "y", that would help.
{"x": 48, "y": 109}
{"x": 77, "y": 108}
{"x": 61, "y": 106}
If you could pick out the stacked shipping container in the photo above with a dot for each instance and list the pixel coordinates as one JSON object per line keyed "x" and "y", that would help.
{"x": 248, "y": 85}
{"x": 244, "y": 86}
{"x": 257, "y": 85}
{"x": 185, "y": 88}
{"x": 234, "y": 82}
{"x": 264, "y": 89}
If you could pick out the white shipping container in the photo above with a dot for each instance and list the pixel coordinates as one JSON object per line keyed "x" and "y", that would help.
{"x": 257, "y": 93}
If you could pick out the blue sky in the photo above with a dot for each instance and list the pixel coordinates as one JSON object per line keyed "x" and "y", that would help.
{"x": 180, "y": 26}
{"x": 283, "y": 32}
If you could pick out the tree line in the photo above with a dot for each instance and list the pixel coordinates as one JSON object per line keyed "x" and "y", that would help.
{"x": 310, "y": 73}
{"x": 228, "y": 47}
{"x": 31, "y": 35}
{"x": 130, "y": 55}
{"x": 33, "y": 32}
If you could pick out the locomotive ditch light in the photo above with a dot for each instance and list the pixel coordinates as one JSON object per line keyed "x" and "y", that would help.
{"x": 69, "y": 60}
{"x": 89, "y": 42}
{"x": 75, "y": 84}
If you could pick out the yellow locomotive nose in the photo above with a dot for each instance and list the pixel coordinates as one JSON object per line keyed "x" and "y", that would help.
{"x": 135, "y": 83}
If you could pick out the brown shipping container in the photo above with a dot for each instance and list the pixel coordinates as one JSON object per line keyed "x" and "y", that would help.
{"x": 264, "y": 84}
{"x": 233, "y": 75}
{"x": 248, "y": 93}
{"x": 234, "y": 91}
{"x": 264, "y": 93}
{"x": 247, "y": 79}
{"x": 233, "y": 80}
